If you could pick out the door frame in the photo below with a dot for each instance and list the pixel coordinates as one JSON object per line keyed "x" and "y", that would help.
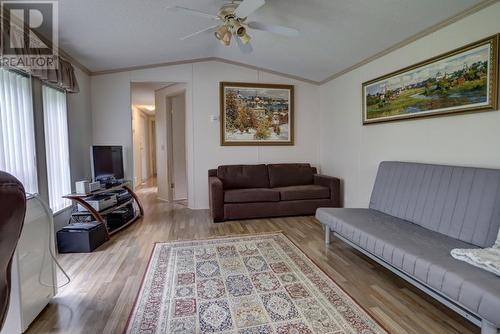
{"x": 144, "y": 146}
{"x": 170, "y": 144}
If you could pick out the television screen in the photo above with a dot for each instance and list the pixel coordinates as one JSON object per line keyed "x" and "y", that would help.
{"x": 107, "y": 161}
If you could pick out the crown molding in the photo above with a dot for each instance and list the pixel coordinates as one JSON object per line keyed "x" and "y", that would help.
{"x": 149, "y": 66}
{"x": 201, "y": 60}
{"x": 411, "y": 39}
{"x": 467, "y": 12}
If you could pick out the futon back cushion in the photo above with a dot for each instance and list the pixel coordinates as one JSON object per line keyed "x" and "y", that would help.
{"x": 460, "y": 202}
{"x": 243, "y": 176}
{"x": 284, "y": 175}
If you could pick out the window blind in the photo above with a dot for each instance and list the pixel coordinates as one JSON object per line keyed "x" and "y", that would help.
{"x": 56, "y": 147}
{"x": 17, "y": 134}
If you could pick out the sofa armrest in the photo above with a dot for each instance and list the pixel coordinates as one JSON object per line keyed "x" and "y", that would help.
{"x": 333, "y": 184}
{"x": 216, "y": 195}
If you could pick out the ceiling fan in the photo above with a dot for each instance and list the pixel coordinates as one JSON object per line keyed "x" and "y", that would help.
{"x": 232, "y": 18}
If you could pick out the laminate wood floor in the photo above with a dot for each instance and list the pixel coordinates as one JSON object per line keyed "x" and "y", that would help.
{"x": 105, "y": 283}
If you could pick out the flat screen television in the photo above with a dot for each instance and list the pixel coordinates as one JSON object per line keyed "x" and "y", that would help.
{"x": 107, "y": 162}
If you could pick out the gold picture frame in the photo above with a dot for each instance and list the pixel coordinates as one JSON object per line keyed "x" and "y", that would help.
{"x": 459, "y": 81}
{"x": 255, "y": 114}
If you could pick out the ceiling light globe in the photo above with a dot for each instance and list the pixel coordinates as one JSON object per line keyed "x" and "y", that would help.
{"x": 226, "y": 39}
{"x": 221, "y": 32}
{"x": 245, "y": 38}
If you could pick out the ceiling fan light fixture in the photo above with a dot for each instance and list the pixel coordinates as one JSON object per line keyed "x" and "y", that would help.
{"x": 221, "y": 32}
{"x": 232, "y": 21}
{"x": 226, "y": 40}
{"x": 237, "y": 28}
{"x": 245, "y": 38}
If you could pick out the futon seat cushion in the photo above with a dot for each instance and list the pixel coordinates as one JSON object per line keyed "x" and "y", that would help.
{"x": 251, "y": 195}
{"x": 422, "y": 253}
{"x": 310, "y": 191}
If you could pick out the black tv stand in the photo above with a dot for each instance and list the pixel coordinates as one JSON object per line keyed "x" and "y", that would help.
{"x": 100, "y": 216}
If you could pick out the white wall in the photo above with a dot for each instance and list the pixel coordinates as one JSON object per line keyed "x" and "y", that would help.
{"x": 111, "y": 110}
{"x": 80, "y": 129}
{"x": 352, "y": 151}
{"x": 112, "y": 115}
{"x": 209, "y": 153}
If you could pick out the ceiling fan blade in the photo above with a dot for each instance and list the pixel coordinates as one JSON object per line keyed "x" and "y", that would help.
{"x": 245, "y": 48}
{"x": 280, "y": 30}
{"x": 209, "y": 29}
{"x": 192, "y": 12}
{"x": 247, "y": 7}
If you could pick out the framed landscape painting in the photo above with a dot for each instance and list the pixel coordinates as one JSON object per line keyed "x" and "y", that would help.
{"x": 256, "y": 114}
{"x": 462, "y": 80}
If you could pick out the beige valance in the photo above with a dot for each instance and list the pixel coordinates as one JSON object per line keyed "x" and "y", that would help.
{"x": 62, "y": 75}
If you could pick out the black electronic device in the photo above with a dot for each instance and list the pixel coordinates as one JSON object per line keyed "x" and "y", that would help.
{"x": 120, "y": 217}
{"x": 107, "y": 164}
{"x": 99, "y": 202}
{"x": 122, "y": 195}
{"x": 81, "y": 238}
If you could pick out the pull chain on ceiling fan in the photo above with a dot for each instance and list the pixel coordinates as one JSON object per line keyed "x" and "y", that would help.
{"x": 232, "y": 19}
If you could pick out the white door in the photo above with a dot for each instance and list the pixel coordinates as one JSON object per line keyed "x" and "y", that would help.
{"x": 143, "y": 148}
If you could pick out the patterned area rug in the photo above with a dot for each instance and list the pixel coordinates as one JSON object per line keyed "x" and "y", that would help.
{"x": 255, "y": 284}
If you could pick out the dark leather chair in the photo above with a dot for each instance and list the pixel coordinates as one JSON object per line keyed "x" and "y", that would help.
{"x": 12, "y": 211}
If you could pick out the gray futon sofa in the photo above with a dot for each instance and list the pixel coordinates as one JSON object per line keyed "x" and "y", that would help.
{"x": 417, "y": 214}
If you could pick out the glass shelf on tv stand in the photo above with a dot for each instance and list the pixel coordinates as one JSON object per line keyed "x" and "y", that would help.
{"x": 122, "y": 184}
{"x": 100, "y": 215}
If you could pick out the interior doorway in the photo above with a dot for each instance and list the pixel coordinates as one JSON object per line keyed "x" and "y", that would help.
{"x": 176, "y": 139}
{"x": 171, "y": 143}
{"x": 144, "y": 131}
{"x": 152, "y": 147}
{"x": 144, "y": 148}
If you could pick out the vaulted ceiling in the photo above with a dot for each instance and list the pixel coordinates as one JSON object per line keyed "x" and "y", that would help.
{"x": 334, "y": 34}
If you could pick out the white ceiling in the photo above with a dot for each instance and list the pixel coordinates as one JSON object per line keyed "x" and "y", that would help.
{"x": 335, "y": 34}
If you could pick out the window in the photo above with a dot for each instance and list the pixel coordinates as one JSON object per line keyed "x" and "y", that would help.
{"x": 17, "y": 132}
{"x": 56, "y": 147}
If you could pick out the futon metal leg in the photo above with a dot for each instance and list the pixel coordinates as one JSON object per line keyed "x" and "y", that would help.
{"x": 328, "y": 234}
{"x": 488, "y": 328}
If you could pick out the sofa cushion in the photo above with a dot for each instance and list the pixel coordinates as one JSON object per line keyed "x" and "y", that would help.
{"x": 309, "y": 191}
{"x": 460, "y": 202}
{"x": 243, "y": 176}
{"x": 421, "y": 253}
{"x": 251, "y": 195}
{"x": 273, "y": 209}
{"x": 284, "y": 175}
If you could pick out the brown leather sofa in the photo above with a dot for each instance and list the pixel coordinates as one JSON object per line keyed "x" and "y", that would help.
{"x": 275, "y": 190}
{"x": 12, "y": 211}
